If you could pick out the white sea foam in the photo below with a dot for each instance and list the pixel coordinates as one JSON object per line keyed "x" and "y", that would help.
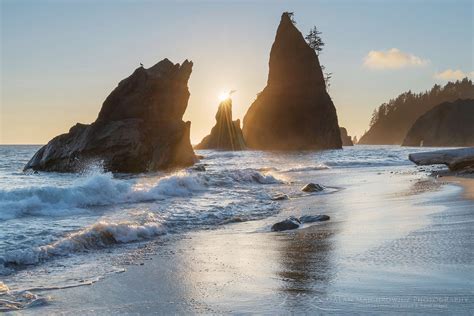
{"x": 17, "y": 300}
{"x": 99, "y": 235}
{"x": 307, "y": 168}
{"x": 103, "y": 189}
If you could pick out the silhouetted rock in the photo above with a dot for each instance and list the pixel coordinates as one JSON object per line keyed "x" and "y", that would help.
{"x": 294, "y": 111}
{"x": 226, "y": 134}
{"x": 288, "y": 224}
{"x": 313, "y": 218}
{"x": 448, "y": 124}
{"x": 391, "y": 122}
{"x": 139, "y": 127}
{"x": 455, "y": 159}
{"x": 293, "y": 222}
{"x": 312, "y": 187}
{"x": 346, "y": 139}
{"x": 199, "y": 168}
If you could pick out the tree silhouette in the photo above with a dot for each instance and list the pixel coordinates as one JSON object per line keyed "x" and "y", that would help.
{"x": 327, "y": 76}
{"x": 314, "y": 40}
{"x": 291, "y": 16}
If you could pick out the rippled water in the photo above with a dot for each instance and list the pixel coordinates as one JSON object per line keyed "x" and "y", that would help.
{"x": 72, "y": 223}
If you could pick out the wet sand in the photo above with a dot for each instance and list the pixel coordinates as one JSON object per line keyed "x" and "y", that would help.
{"x": 396, "y": 242}
{"x": 467, "y": 183}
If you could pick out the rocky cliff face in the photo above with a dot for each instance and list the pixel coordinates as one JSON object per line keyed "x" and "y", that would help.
{"x": 293, "y": 111}
{"x": 449, "y": 124}
{"x": 139, "y": 127}
{"x": 346, "y": 139}
{"x": 226, "y": 134}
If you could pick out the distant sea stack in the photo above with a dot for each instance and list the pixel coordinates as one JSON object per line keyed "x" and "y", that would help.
{"x": 294, "y": 111}
{"x": 139, "y": 127}
{"x": 226, "y": 134}
{"x": 449, "y": 124}
{"x": 346, "y": 139}
{"x": 391, "y": 121}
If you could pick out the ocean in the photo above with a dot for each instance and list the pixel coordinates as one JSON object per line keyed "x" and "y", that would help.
{"x": 65, "y": 230}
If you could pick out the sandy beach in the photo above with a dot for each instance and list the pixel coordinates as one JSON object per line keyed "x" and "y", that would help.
{"x": 407, "y": 248}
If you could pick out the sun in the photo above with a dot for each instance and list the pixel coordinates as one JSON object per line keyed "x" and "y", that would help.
{"x": 224, "y": 96}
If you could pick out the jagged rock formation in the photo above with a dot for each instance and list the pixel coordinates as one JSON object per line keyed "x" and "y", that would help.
{"x": 392, "y": 120}
{"x": 139, "y": 127}
{"x": 346, "y": 139}
{"x": 448, "y": 124}
{"x": 294, "y": 111}
{"x": 226, "y": 134}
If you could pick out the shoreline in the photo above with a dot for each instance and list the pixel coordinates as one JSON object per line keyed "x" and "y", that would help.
{"x": 466, "y": 181}
{"x": 242, "y": 267}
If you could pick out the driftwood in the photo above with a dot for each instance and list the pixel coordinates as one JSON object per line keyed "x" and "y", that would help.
{"x": 455, "y": 159}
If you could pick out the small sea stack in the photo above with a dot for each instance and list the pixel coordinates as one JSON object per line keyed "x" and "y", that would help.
{"x": 139, "y": 127}
{"x": 294, "y": 111}
{"x": 226, "y": 134}
{"x": 346, "y": 139}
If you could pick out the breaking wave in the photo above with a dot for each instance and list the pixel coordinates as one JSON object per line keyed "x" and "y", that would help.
{"x": 99, "y": 235}
{"x": 103, "y": 189}
{"x": 307, "y": 168}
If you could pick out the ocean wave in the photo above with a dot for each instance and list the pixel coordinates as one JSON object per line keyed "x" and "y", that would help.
{"x": 307, "y": 168}
{"x": 251, "y": 175}
{"x": 103, "y": 190}
{"x": 100, "y": 235}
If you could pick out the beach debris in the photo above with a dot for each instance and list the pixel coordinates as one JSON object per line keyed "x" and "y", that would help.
{"x": 455, "y": 159}
{"x": 288, "y": 224}
{"x": 292, "y": 222}
{"x": 312, "y": 187}
{"x": 314, "y": 218}
{"x": 280, "y": 197}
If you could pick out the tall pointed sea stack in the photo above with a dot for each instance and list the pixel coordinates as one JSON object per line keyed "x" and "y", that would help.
{"x": 139, "y": 127}
{"x": 226, "y": 134}
{"x": 294, "y": 111}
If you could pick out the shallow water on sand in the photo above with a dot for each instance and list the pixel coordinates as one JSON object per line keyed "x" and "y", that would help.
{"x": 62, "y": 230}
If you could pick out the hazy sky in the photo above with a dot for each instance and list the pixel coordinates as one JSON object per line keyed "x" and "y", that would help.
{"x": 60, "y": 59}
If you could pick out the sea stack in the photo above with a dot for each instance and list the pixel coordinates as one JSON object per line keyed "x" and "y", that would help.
{"x": 450, "y": 124}
{"x": 294, "y": 111}
{"x": 139, "y": 127}
{"x": 226, "y": 134}
{"x": 346, "y": 139}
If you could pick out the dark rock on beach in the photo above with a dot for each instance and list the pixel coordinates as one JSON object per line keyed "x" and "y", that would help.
{"x": 314, "y": 218}
{"x": 139, "y": 127}
{"x": 346, "y": 139}
{"x": 294, "y": 111}
{"x": 312, "y": 187}
{"x": 280, "y": 197}
{"x": 288, "y": 224}
{"x": 450, "y": 124}
{"x": 199, "y": 168}
{"x": 226, "y": 134}
{"x": 293, "y": 222}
